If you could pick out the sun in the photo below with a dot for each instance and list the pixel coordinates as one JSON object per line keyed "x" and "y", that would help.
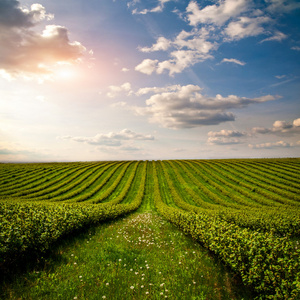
{"x": 65, "y": 73}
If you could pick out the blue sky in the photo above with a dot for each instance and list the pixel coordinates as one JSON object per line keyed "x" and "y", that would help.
{"x": 160, "y": 79}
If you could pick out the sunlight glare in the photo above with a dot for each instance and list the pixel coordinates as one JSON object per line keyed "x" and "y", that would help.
{"x": 65, "y": 73}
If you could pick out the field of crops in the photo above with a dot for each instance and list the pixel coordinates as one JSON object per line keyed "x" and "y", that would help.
{"x": 245, "y": 211}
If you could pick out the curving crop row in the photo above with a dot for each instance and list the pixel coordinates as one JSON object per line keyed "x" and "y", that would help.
{"x": 250, "y": 191}
{"x": 234, "y": 189}
{"x": 30, "y": 182}
{"x": 286, "y": 168}
{"x": 285, "y": 221}
{"x": 264, "y": 179}
{"x": 252, "y": 183}
{"x": 198, "y": 198}
{"x": 109, "y": 190}
{"x": 28, "y": 227}
{"x": 218, "y": 196}
{"x": 39, "y": 188}
{"x": 118, "y": 198}
{"x": 275, "y": 174}
{"x": 89, "y": 187}
{"x": 215, "y": 182}
{"x": 12, "y": 181}
{"x": 268, "y": 263}
{"x": 59, "y": 187}
{"x": 77, "y": 190}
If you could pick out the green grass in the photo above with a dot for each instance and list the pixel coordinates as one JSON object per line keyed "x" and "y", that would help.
{"x": 140, "y": 256}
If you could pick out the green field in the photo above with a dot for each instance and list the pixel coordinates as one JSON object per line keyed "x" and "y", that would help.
{"x": 241, "y": 220}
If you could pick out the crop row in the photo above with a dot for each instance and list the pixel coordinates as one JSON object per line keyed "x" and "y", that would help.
{"x": 262, "y": 179}
{"x": 259, "y": 192}
{"x": 283, "y": 221}
{"x": 28, "y": 227}
{"x": 42, "y": 182}
{"x": 269, "y": 263}
{"x": 77, "y": 190}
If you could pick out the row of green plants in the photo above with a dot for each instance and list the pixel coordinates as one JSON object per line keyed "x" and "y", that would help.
{"x": 257, "y": 193}
{"x": 31, "y": 227}
{"x": 252, "y": 230}
{"x": 261, "y": 180}
{"x": 25, "y": 185}
{"x": 52, "y": 188}
{"x": 268, "y": 172}
{"x": 76, "y": 190}
{"x": 268, "y": 263}
{"x": 285, "y": 221}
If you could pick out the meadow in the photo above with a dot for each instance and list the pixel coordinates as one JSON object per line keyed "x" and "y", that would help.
{"x": 178, "y": 229}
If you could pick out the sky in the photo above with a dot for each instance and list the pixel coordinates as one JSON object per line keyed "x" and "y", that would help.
{"x": 141, "y": 80}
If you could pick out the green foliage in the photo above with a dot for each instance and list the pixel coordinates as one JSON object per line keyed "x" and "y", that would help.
{"x": 247, "y": 216}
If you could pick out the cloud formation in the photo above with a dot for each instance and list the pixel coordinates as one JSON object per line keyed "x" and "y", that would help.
{"x": 223, "y": 22}
{"x": 158, "y": 8}
{"x": 280, "y": 128}
{"x": 282, "y": 5}
{"x": 215, "y": 14}
{"x": 245, "y": 27}
{"x": 233, "y": 60}
{"x": 279, "y": 144}
{"x": 189, "y": 49}
{"x": 114, "y": 90}
{"x": 186, "y": 107}
{"x": 24, "y": 51}
{"x": 225, "y": 137}
{"x": 277, "y": 37}
{"x": 112, "y": 139}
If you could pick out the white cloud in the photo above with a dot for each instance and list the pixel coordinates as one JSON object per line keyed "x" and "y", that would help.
{"x": 156, "y": 90}
{"x": 27, "y": 53}
{"x": 161, "y": 44}
{"x": 147, "y": 66}
{"x": 125, "y": 70}
{"x": 190, "y": 48}
{"x": 296, "y": 48}
{"x": 282, "y": 5}
{"x": 224, "y": 21}
{"x": 186, "y": 107}
{"x": 114, "y": 90}
{"x": 271, "y": 145}
{"x": 280, "y": 128}
{"x": 227, "y": 133}
{"x": 215, "y": 14}
{"x": 225, "y": 137}
{"x": 277, "y": 37}
{"x": 111, "y": 139}
{"x": 233, "y": 60}
{"x": 245, "y": 27}
{"x": 158, "y": 8}
{"x": 280, "y": 76}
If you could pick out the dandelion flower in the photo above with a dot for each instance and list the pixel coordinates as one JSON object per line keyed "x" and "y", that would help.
{"x": 103, "y": 297}
{"x": 132, "y": 287}
{"x": 107, "y": 283}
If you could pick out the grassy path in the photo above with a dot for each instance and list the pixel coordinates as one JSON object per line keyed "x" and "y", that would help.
{"x": 140, "y": 256}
